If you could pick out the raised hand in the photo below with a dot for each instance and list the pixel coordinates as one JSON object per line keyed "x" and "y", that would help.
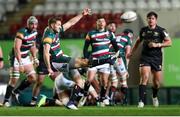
{"x": 86, "y": 11}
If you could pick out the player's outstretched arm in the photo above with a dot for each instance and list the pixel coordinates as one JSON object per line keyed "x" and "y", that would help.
{"x": 75, "y": 19}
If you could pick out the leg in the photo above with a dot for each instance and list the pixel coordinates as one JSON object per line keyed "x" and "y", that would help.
{"x": 144, "y": 73}
{"x": 90, "y": 75}
{"x": 124, "y": 88}
{"x": 36, "y": 88}
{"x": 157, "y": 75}
{"x": 31, "y": 78}
{"x": 14, "y": 76}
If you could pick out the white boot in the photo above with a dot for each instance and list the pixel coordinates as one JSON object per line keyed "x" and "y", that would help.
{"x": 155, "y": 102}
{"x": 140, "y": 104}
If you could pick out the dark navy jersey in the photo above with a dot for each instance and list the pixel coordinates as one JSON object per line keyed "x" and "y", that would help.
{"x": 156, "y": 35}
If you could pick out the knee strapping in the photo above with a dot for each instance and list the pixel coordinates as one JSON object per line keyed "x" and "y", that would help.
{"x": 123, "y": 80}
{"x": 14, "y": 74}
{"x": 114, "y": 79}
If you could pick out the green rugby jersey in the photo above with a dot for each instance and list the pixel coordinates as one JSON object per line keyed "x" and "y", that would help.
{"x": 53, "y": 39}
{"x": 100, "y": 42}
{"x": 28, "y": 40}
{"x": 122, "y": 41}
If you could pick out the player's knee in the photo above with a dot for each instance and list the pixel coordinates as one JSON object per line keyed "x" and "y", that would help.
{"x": 13, "y": 81}
{"x": 32, "y": 78}
{"x": 39, "y": 83}
{"x": 14, "y": 74}
{"x": 123, "y": 80}
{"x": 114, "y": 79}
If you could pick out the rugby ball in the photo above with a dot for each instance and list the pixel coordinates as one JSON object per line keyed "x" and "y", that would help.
{"x": 128, "y": 16}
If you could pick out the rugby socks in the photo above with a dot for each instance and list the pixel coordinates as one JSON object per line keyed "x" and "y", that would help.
{"x": 24, "y": 84}
{"x": 124, "y": 91}
{"x": 103, "y": 93}
{"x": 34, "y": 98}
{"x": 155, "y": 91}
{"x": 50, "y": 102}
{"x": 55, "y": 95}
{"x": 112, "y": 92}
{"x": 86, "y": 87}
{"x": 8, "y": 93}
{"x": 142, "y": 93}
{"x": 75, "y": 93}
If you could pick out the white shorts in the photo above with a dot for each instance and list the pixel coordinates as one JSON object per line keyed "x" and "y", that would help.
{"x": 120, "y": 66}
{"x": 25, "y": 61}
{"x": 61, "y": 83}
{"x": 104, "y": 68}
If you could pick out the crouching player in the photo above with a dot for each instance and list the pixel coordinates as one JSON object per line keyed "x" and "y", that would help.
{"x": 64, "y": 86}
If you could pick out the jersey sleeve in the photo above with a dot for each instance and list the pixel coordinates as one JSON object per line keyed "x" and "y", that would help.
{"x": 48, "y": 39}
{"x": 129, "y": 41}
{"x": 165, "y": 34}
{"x": 62, "y": 29}
{"x": 88, "y": 37}
{"x": 113, "y": 41}
{"x": 20, "y": 34}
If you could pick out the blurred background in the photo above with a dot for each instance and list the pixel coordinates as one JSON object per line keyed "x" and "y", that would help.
{"x": 14, "y": 13}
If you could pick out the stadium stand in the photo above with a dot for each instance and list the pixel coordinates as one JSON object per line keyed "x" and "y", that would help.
{"x": 110, "y": 9}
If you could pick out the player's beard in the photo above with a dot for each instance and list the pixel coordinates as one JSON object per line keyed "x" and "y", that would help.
{"x": 56, "y": 30}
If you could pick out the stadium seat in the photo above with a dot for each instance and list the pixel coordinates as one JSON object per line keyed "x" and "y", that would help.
{"x": 153, "y": 4}
{"x": 106, "y": 7}
{"x": 49, "y": 9}
{"x": 141, "y": 4}
{"x": 11, "y": 5}
{"x": 72, "y": 8}
{"x": 175, "y": 4}
{"x": 165, "y": 5}
{"x": 129, "y": 5}
{"x": 95, "y": 6}
{"x": 60, "y": 8}
{"x": 50, "y": 1}
{"x": 82, "y": 5}
{"x": 118, "y": 6}
{"x": 38, "y": 10}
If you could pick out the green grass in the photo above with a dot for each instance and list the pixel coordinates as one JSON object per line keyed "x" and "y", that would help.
{"x": 92, "y": 111}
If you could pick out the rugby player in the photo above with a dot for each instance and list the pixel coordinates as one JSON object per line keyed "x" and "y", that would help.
{"x": 63, "y": 86}
{"x": 53, "y": 52}
{"x": 20, "y": 61}
{"x": 99, "y": 39}
{"x": 121, "y": 65}
{"x": 154, "y": 38}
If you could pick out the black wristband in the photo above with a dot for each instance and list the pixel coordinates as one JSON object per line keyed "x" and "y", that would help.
{"x": 1, "y": 59}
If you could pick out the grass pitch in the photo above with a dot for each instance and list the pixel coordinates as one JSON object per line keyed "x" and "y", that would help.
{"x": 165, "y": 110}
